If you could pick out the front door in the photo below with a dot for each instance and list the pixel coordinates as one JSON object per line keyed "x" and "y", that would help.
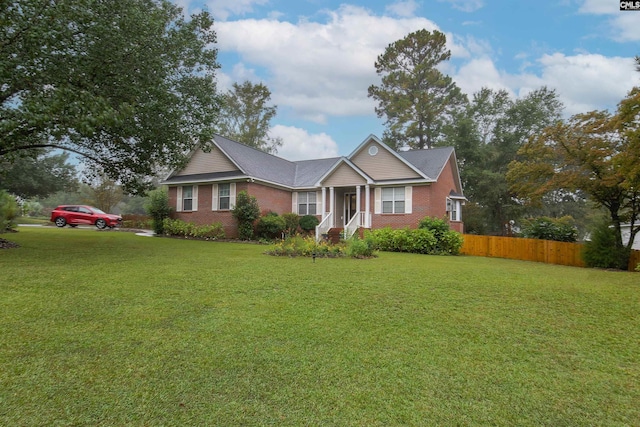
{"x": 350, "y": 207}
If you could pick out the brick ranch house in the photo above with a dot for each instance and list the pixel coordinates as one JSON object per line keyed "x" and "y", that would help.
{"x": 373, "y": 187}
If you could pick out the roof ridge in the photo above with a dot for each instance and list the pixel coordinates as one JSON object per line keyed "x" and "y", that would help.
{"x": 253, "y": 148}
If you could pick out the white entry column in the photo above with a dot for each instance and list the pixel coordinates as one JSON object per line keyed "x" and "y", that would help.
{"x": 332, "y": 205}
{"x": 367, "y": 206}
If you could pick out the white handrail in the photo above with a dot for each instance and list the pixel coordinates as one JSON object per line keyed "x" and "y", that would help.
{"x": 356, "y": 222}
{"x": 324, "y": 226}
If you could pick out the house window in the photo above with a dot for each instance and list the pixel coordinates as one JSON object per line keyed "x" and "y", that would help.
{"x": 393, "y": 200}
{"x": 307, "y": 203}
{"x": 187, "y": 198}
{"x": 224, "y": 196}
{"x": 453, "y": 207}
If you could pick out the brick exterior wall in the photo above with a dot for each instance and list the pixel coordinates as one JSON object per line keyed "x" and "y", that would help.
{"x": 428, "y": 200}
{"x": 269, "y": 199}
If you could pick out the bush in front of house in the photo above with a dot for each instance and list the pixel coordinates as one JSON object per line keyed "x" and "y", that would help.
{"x": 180, "y": 228}
{"x": 246, "y": 212}
{"x": 292, "y": 222}
{"x": 546, "y": 228}
{"x": 447, "y": 240}
{"x": 308, "y": 223}
{"x": 360, "y": 248}
{"x": 432, "y": 239}
{"x": 271, "y": 226}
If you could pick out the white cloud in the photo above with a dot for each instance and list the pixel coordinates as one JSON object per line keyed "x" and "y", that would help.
{"x": 479, "y": 73}
{"x": 466, "y": 5}
{"x": 298, "y": 144}
{"x": 584, "y": 82}
{"x": 223, "y": 9}
{"x": 626, "y": 27}
{"x": 599, "y": 7}
{"x": 405, "y": 9}
{"x": 623, "y": 26}
{"x": 321, "y": 69}
{"x": 588, "y": 82}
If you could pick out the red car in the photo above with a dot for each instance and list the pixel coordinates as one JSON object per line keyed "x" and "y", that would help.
{"x": 75, "y": 215}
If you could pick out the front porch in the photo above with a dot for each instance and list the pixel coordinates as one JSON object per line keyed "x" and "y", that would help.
{"x": 344, "y": 210}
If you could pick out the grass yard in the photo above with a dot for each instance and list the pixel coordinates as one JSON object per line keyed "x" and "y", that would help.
{"x": 113, "y": 329}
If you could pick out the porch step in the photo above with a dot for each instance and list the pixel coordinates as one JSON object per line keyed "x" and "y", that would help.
{"x": 334, "y": 234}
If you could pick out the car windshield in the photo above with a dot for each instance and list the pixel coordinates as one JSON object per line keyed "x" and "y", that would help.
{"x": 98, "y": 211}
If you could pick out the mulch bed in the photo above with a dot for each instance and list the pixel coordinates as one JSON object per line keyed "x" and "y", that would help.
{"x": 5, "y": 244}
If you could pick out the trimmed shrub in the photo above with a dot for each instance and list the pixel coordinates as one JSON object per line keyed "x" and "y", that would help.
{"x": 271, "y": 226}
{"x": 179, "y": 228}
{"x": 246, "y": 211}
{"x": 309, "y": 222}
{"x": 434, "y": 241}
{"x": 545, "y": 228}
{"x": 360, "y": 248}
{"x": 9, "y": 211}
{"x": 447, "y": 240}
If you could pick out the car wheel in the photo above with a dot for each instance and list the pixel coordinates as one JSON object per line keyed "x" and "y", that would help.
{"x": 60, "y": 222}
{"x": 101, "y": 223}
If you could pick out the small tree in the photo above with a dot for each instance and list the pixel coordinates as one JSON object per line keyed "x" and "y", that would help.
{"x": 246, "y": 211}
{"x": 158, "y": 208}
{"x": 8, "y": 211}
{"x": 601, "y": 250}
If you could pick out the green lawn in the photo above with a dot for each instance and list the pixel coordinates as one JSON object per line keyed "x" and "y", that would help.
{"x": 112, "y": 329}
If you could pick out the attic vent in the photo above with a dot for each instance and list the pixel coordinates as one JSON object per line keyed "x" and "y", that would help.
{"x": 373, "y": 150}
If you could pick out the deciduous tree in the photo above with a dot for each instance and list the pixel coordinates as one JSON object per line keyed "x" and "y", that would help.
{"x": 487, "y": 136}
{"x": 595, "y": 152}
{"x": 416, "y": 98}
{"x": 38, "y": 174}
{"x": 246, "y": 116}
{"x": 126, "y": 84}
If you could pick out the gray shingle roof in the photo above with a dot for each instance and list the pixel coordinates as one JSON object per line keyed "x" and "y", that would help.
{"x": 430, "y": 162}
{"x": 258, "y": 164}
{"x": 309, "y": 172}
{"x": 305, "y": 173}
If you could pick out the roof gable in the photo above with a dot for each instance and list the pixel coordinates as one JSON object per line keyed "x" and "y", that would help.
{"x": 382, "y": 163}
{"x": 344, "y": 173}
{"x": 202, "y": 162}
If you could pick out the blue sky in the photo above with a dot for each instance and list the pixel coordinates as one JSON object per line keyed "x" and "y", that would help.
{"x": 317, "y": 56}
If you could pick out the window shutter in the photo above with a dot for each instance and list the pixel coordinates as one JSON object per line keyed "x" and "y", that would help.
{"x": 194, "y": 205}
{"x": 377, "y": 200}
{"x": 232, "y": 195}
{"x": 319, "y": 203}
{"x": 214, "y": 197}
{"x": 294, "y": 202}
{"x": 179, "y": 199}
{"x": 408, "y": 199}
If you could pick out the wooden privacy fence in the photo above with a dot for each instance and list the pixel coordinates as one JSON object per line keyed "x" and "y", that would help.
{"x": 547, "y": 251}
